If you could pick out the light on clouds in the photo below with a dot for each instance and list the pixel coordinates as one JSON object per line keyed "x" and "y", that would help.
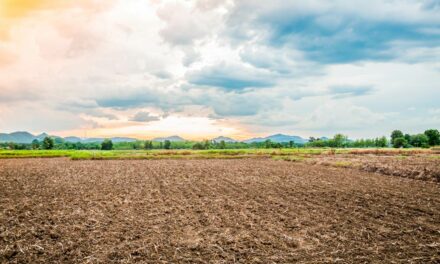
{"x": 206, "y": 68}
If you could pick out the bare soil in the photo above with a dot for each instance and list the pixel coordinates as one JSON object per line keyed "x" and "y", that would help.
{"x": 213, "y": 211}
{"x": 420, "y": 167}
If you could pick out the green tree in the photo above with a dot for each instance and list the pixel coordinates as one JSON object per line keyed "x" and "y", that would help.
{"x": 420, "y": 141}
{"x": 381, "y": 142}
{"x": 167, "y": 144}
{"x": 35, "y": 144}
{"x": 268, "y": 143}
{"x": 107, "y": 144}
{"x": 433, "y": 137}
{"x": 407, "y": 138}
{"x": 207, "y": 144}
{"x": 148, "y": 144}
{"x": 198, "y": 145}
{"x": 400, "y": 142}
{"x": 48, "y": 143}
{"x": 222, "y": 145}
{"x": 339, "y": 141}
{"x": 396, "y": 134}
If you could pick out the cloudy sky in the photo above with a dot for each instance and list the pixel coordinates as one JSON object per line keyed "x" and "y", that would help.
{"x": 204, "y": 68}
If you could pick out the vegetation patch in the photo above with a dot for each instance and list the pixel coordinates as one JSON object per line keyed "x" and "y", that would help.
{"x": 289, "y": 158}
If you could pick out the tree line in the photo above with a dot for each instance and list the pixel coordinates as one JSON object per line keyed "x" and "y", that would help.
{"x": 398, "y": 139}
{"x": 429, "y": 138}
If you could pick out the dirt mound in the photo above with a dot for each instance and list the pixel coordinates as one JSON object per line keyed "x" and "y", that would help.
{"x": 419, "y": 167}
{"x": 420, "y": 170}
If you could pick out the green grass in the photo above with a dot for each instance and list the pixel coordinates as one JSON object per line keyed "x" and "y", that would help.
{"x": 135, "y": 154}
{"x": 157, "y": 154}
{"x": 35, "y": 153}
{"x": 279, "y": 154}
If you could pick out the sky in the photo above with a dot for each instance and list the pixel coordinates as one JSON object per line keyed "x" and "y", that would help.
{"x": 205, "y": 68}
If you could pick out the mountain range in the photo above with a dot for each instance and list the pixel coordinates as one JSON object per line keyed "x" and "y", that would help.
{"x": 21, "y": 137}
{"x": 278, "y": 138}
{"x": 26, "y": 137}
{"x": 225, "y": 139}
{"x": 171, "y": 139}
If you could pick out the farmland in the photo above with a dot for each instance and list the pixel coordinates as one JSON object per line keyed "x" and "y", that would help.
{"x": 270, "y": 206}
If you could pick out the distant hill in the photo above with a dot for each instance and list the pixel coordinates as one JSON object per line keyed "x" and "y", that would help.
{"x": 72, "y": 139}
{"x": 98, "y": 140}
{"x": 26, "y": 137}
{"x": 41, "y": 136}
{"x": 172, "y": 139}
{"x": 123, "y": 139}
{"x": 17, "y": 137}
{"x": 225, "y": 139}
{"x": 278, "y": 138}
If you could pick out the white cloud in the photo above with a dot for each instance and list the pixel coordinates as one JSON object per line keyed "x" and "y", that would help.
{"x": 225, "y": 59}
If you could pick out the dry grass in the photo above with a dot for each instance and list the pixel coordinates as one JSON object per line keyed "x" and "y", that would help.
{"x": 389, "y": 151}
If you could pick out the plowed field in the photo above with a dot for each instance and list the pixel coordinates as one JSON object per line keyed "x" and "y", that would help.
{"x": 212, "y": 211}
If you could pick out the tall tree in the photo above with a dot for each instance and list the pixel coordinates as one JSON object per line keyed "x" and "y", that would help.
{"x": 35, "y": 144}
{"x": 167, "y": 144}
{"x": 339, "y": 140}
{"x": 48, "y": 143}
{"x": 148, "y": 144}
{"x": 419, "y": 140}
{"x": 107, "y": 144}
{"x": 268, "y": 143}
{"x": 433, "y": 137}
{"x": 396, "y": 134}
{"x": 400, "y": 142}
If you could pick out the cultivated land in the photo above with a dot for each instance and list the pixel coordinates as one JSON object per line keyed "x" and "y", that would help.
{"x": 318, "y": 208}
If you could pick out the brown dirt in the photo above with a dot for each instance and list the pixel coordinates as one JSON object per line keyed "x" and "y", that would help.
{"x": 420, "y": 167}
{"x": 212, "y": 211}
